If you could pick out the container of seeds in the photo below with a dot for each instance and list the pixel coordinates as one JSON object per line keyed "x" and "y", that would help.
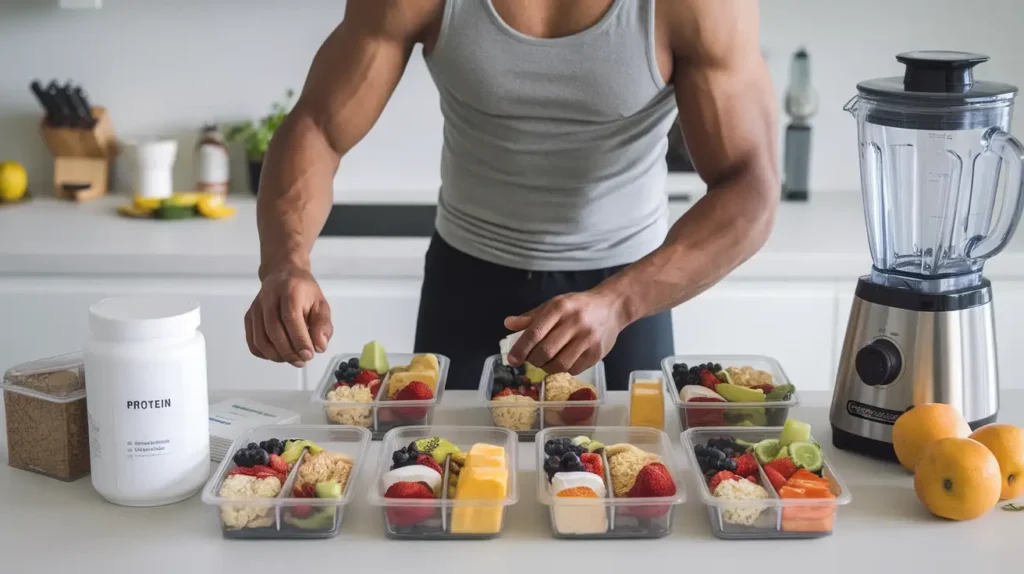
{"x": 47, "y": 424}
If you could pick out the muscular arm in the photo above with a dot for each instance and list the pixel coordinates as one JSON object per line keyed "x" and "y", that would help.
{"x": 350, "y": 81}
{"x": 727, "y": 111}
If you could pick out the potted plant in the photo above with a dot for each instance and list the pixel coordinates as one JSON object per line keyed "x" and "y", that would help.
{"x": 256, "y": 137}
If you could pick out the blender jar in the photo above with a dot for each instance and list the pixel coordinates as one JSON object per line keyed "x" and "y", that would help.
{"x": 934, "y": 156}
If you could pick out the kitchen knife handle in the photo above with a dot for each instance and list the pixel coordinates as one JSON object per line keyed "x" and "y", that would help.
{"x": 62, "y": 108}
{"x": 44, "y": 101}
{"x": 86, "y": 108}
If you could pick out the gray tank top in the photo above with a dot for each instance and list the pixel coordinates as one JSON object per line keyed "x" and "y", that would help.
{"x": 554, "y": 149}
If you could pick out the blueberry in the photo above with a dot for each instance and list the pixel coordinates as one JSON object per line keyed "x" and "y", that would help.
{"x": 702, "y": 461}
{"x": 353, "y": 362}
{"x": 700, "y": 450}
{"x": 729, "y": 452}
{"x": 550, "y": 446}
{"x": 730, "y": 464}
{"x": 715, "y": 453}
{"x": 570, "y": 461}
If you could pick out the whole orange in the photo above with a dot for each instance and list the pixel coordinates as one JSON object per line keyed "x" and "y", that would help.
{"x": 923, "y": 425}
{"x": 1007, "y": 443}
{"x": 957, "y": 478}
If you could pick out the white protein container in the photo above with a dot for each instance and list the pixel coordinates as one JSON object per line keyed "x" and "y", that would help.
{"x": 145, "y": 365}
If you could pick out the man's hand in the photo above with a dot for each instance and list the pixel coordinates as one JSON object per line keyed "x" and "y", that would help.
{"x": 289, "y": 319}
{"x": 569, "y": 333}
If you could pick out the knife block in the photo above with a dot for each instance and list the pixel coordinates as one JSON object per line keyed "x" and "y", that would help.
{"x": 82, "y": 157}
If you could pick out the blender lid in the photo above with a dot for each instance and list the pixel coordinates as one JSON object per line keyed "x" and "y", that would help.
{"x": 938, "y": 78}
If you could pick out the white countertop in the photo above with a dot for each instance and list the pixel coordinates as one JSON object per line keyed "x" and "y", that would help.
{"x": 821, "y": 239}
{"x": 51, "y": 526}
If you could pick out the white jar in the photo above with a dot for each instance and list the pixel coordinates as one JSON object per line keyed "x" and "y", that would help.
{"x": 145, "y": 372}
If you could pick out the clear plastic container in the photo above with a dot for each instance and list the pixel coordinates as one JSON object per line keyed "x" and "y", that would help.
{"x": 435, "y": 519}
{"x": 286, "y": 516}
{"x": 773, "y": 517}
{"x": 611, "y": 517}
{"x": 380, "y": 415}
{"x": 758, "y": 414}
{"x": 527, "y": 420}
{"x": 47, "y": 422}
{"x": 647, "y": 410}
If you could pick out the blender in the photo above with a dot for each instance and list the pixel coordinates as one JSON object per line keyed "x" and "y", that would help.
{"x": 942, "y": 192}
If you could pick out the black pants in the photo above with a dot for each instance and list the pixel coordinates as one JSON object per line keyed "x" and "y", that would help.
{"x": 464, "y": 302}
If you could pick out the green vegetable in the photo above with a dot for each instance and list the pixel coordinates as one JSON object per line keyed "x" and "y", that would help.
{"x": 257, "y": 136}
{"x": 1012, "y": 507}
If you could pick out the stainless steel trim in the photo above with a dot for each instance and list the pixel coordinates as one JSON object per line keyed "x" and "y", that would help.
{"x": 948, "y": 357}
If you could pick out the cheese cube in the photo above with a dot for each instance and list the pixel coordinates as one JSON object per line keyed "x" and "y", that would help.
{"x": 480, "y": 484}
{"x": 485, "y": 455}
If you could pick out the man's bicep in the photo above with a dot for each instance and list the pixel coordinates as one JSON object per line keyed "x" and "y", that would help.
{"x": 355, "y": 72}
{"x": 726, "y": 101}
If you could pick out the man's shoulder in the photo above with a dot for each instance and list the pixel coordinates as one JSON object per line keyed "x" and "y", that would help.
{"x": 398, "y": 17}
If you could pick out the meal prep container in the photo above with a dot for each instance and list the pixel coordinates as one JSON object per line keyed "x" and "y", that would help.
{"x": 380, "y": 415}
{"x": 349, "y": 440}
{"x": 527, "y": 420}
{"x": 773, "y": 522}
{"x": 47, "y": 428}
{"x": 699, "y": 414}
{"x": 628, "y": 518}
{"x": 438, "y": 525}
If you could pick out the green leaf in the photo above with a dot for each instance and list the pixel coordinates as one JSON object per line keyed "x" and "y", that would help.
{"x": 1012, "y": 507}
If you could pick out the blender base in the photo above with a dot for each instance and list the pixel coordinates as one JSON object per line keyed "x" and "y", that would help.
{"x": 881, "y": 450}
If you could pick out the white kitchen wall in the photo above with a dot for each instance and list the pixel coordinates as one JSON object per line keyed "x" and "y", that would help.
{"x": 165, "y": 67}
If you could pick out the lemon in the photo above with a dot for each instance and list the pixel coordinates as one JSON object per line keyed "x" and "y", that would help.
{"x": 13, "y": 181}
{"x": 212, "y": 206}
{"x": 146, "y": 203}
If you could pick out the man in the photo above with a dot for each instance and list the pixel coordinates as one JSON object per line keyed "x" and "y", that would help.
{"x": 552, "y": 210}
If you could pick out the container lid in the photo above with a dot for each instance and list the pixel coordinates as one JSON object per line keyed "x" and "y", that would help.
{"x": 938, "y": 78}
{"x": 59, "y": 379}
{"x": 937, "y": 91}
{"x": 143, "y": 317}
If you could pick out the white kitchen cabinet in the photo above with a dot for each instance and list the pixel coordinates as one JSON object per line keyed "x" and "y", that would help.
{"x": 48, "y": 316}
{"x": 792, "y": 322}
{"x": 365, "y": 310}
{"x": 1008, "y": 301}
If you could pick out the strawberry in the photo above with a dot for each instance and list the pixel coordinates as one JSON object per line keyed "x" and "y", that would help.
{"x": 504, "y": 393}
{"x": 752, "y": 479}
{"x": 259, "y": 471}
{"x": 340, "y": 384}
{"x": 533, "y": 393}
{"x": 653, "y": 481}
{"x": 408, "y": 515}
{"x": 765, "y": 387}
{"x": 375, "y": 388}
{"x": 365, "y": 377}
{"x": 307, "y": 490}
{"x": 784, "y": 466}
{"x": 704, "y": 417}
{"x": 720, "y": 477}
{"x": 709, "y": 380}
{"x": 579, "y": 415}
{"x": 414, "y": 391}
{"x": 302, "y": 511}
{"x": 746, "y": 465}
{"x": 592, "y": 463}
{"x": 278, "y": 464}
{"x": 429, "y": 462}
{"x": 777, "y": 480}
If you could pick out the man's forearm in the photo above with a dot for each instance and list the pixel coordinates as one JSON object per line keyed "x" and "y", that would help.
{"x": 721, "y": 231}
{"x": 296, "y": 193}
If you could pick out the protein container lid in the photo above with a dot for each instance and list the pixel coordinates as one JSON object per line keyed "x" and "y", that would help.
{"x": 58, "y": 379}
{"x": 143, "y": 317}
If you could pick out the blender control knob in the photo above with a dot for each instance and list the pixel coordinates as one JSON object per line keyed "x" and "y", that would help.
{"x": 879, "y": 363}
